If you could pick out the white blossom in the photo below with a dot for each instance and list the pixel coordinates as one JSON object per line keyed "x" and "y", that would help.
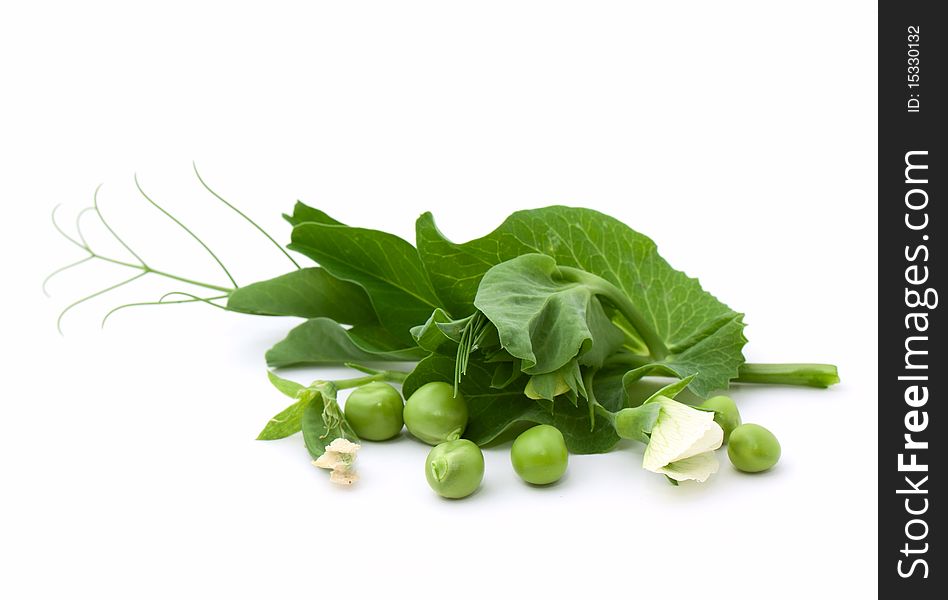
{"x": 682, "y": 442}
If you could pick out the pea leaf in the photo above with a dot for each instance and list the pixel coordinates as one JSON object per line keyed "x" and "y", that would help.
{"x": 316, "y": 413}
{"x": 704, "y": 336}
{"x": 385, "y": 266}
{"x": 307, "y": 214}
{"x": 308, "y": 293}
{"x": 284, "y": 424}
{"x": 505, "y": 373}
{"x": 568, "y": 380}
{"x": 669, "y": 391}
{"x": 432, "y": 337}
{"x": 289, "y": 420}
{"x": 322, "y": 341}
{"x": 543, "y": 318}
{"x": 574, "y": 423}
{"x": 609, "y": 390}
{"x": 286, "y": 387}
{"x": 713, "y": 359}
{"x": 491, "y": 412}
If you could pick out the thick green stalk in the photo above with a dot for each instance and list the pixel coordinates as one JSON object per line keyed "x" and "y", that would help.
{"x": 808, "y": 374}
{"x": 805, "y": 374}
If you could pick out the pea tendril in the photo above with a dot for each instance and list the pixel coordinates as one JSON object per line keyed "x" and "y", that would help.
{"x": 191, "y": 298}
{"x": 185, "y": 228}
{"x": 248, "y": 219}
{"x": 81, "y": 242}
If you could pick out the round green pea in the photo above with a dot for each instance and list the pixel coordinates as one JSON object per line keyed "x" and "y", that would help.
{"x": 433, "y": 414}
{"x": 375, "y": 411}
{"x": 455, "y": 469}
{"x": 539, "y": 455}
{"x": 725, "y": 414}
{"x": 753, "y": 448}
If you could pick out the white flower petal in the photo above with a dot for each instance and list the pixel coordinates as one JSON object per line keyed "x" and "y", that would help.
{"x": 698, "y": 468}
{"x": 711, "y": 440}
{"x": 678, "y": 429}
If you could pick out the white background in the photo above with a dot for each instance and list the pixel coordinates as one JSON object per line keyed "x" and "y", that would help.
{"x": 741, "y": 136}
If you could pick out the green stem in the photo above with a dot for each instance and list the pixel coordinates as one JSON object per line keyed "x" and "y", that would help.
{"x": 389, "y": 376}
{"x": 808, "y": 374}
{"x": 186, "y": 229}
{"x": 241, "y": 213}
{"x": 617, "y": 297}
{"x": 209, "y": 286}
{"x": 146, "y": 269}
{"x": 604, "y": 412}
{"x": 805, "y": 374}
{"x": 627, "y": 359}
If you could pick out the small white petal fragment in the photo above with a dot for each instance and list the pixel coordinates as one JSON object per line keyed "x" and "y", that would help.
{"x": 339, "y": 458}
{"x": 343, "y": 446}
{"x": 344, "y": 478}
{"x": 682, "y": 442}
{"x": 328, "y": 460}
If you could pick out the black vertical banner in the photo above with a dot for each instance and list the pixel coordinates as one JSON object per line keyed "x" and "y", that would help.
{"x": 912, "y": 368}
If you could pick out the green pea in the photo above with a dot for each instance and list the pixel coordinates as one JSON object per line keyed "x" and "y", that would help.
{"x": 753, "y": 448}
{"x": 455, "y": 469}
{"x": 434, "y": 414}
{"x": 725, "y": 414}
{"x": 375, "y": 411}
{"x": 539, "y": 455}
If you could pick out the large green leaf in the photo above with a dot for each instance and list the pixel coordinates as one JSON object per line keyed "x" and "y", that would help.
{"x": 491, "y": 412}
{"x": 703, "y": 335}
{"x": 308, "y": 293}
{"x": 544, "y": 319}
{"x": 385, "y": 266}
{"x": 323, "y": 341}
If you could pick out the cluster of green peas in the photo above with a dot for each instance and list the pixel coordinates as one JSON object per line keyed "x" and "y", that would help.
{"x": 454, "y": 468}
{"x": 435, "y": 415}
